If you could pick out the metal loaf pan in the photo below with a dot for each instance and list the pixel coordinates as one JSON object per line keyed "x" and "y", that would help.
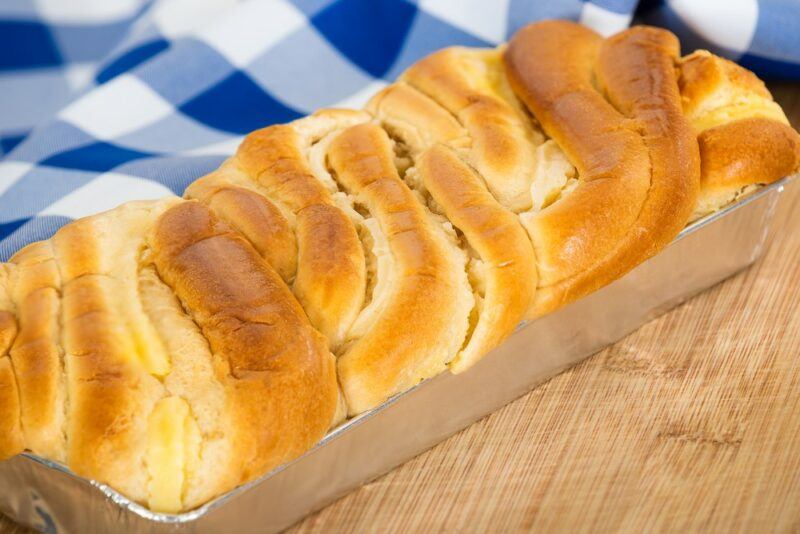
{"x": 47, "y": 496}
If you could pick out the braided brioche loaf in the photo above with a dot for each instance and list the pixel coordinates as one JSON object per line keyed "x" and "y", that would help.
{"x": 177, "y": 348}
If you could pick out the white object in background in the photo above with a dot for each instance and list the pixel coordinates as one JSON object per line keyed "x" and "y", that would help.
{"x": 243, "y": 34}
{"x": 10, "y": 172}
{"x": 485, "y": 19}
{"x": 603, "y": 21}
{"x": 86, "y": 11}
{"x": 116, "y": 108}
{"x": 175, "y": 18}
{"x": 105, "y": 192}
{"x": 730, "y": 24}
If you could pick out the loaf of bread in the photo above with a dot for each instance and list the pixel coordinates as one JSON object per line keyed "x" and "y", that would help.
{"x": 177, "y": 348}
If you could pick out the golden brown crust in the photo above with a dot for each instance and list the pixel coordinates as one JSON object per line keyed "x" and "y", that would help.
{"x": 331, "y": 277}
{"x": 739, "y": 155}
{"x": 624, "y": 209}
{"x": 506, "y": 261}
{"x": 11, "y": 439}
{"x": 503, "y": 271}
{"x": 8, "y": 331}
{"x": 107, "y": 399}
{"x": 260, "y": 222}
{"x": 426, "y": 297}
{"x": 610, "y": 156}
{"x": 408, "y": 114}
{"x": 747, "y": 151}
{"x": 331, "y": 274}
{"x": 470, "y": 84}
{"x": 653, "y": 101}
{"x": 274, "y": 157}
{"x": 278, "y": 373}
{"x": 744, "y": 136}
{"x": 112, "y": 360}
{"x": 702, "y": 71}
{"x": 36, "y": 355}
{"x": 715, "y": 90}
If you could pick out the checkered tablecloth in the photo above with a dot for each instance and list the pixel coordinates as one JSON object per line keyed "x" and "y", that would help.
{"x": 103, "y": 101}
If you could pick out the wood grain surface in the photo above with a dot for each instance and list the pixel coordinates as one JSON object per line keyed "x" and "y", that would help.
{"x": 691, "y": 423}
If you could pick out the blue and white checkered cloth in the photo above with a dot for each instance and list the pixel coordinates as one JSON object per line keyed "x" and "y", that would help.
{"x": 103, "y": 101}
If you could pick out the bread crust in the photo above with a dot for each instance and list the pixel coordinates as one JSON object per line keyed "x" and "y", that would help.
{"x": 625, "y": 208}
{"x": 278, "y": 374}
{"x": 747, "y": 151}
{"x": 430, "y": 295}
{"x": 36, "y": 355}
{"x": 503, "y": 267}
{"x": 744, "y": 136}
{"x": 471, "y": 116}
{"x": 406, "y": 113}
{"x": 260, "y": 222}
{"x": 470, "y": 84}
{"x": 505, "y": 255}
{"x": 11, "y": 439}
{"x": 653, "y": 101}
{"x": 112, "y": 359}
{"x": 715, "y": 90}
{"x": 331, "y": 277}
{"x": 740, "y": 155}
{"x": 12, "y": 442}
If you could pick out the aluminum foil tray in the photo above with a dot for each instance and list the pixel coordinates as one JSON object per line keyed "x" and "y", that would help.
{"x": 47, "y": 496}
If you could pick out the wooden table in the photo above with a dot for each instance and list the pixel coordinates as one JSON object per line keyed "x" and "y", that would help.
{"x": 691, "y": 422}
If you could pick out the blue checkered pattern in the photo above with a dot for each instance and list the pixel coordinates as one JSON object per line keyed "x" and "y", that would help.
{"x": 103, "y": 101}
